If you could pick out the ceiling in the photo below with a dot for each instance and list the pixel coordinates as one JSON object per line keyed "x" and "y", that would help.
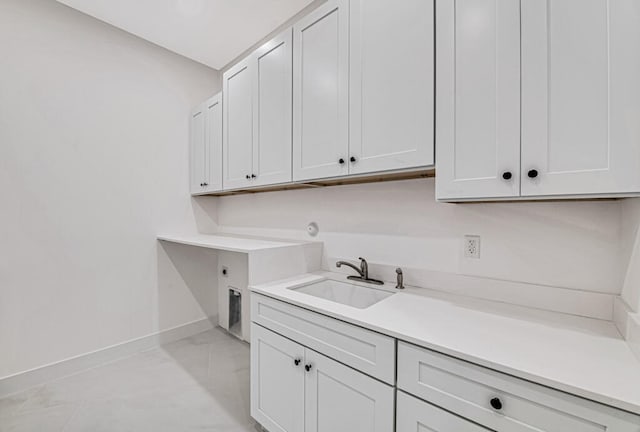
{"x": 212, "y": 32}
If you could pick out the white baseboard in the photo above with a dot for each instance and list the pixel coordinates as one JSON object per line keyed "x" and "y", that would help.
{"x": 41, "y": 375}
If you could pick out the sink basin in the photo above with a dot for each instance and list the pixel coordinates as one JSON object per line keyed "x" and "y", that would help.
{"x": 344, "y": 293}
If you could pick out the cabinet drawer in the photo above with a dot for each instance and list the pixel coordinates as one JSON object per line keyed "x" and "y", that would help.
{"x": 367, "y": 351}
{"x": 468, "y": 390}
{"x": 416, "y": 415}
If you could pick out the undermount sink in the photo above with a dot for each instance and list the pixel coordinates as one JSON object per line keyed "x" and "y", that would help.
{"x": 344, "y": 293}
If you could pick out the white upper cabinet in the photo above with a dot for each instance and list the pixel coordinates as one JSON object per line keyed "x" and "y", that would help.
{"x": 320, "y": 92}
{"x": 574, "y": 130}
{"x": 580, "y": 97}
{"x": 477, "y": 99}
{"x": 391, "y": 85}
{"x": 272, "y": 111}
{"x": 295, "y": 389}
{"x": 238, "y": 125}
{"x": 197, "y": 151}
{"x": 257, "y": 117}
{"x": 213, "y": 133}
{"x": 206, "y": 147}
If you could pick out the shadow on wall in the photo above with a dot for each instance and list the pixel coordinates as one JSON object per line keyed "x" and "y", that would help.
{"x": 217, "y": 362}
{"x": 187, "y": 285}
{"x": 205, "y": 214}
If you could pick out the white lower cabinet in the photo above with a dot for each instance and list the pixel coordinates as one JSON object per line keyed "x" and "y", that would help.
{"x": 295, "y": 389}
{"x": 277, "y": 381}
{"x": 341, "y": 399}
{"x": 498, "y": 401}
{"x": 415, "y": 415}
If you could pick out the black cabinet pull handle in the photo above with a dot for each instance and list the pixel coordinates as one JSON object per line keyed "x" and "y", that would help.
{"x": 297, "y": 361}
{"x": 307, "y": 367}
{"x": 341, "y": 161}
{"x": 352, "y": 158}
{"x": 507, "y": 175}
{"x": 253, "y": 176}
{"x": 496, "y": 403}
{"x": 205, "y": 184}
{"x": 532, "y": 173}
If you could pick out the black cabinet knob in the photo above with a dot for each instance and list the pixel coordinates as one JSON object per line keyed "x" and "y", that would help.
{"x": 496, "y": 403}
{"x": 352, "y": 159}
{"x": 205, "y": 184}
{"x": 507, "y": 175}
{"x": 307, "y": 367}
{"x": 341, "y": 161}
{"x": 253, "y": 176}
{"x": 247, "y": 176}
{"x": 297, "y": 361}
{"x": 224, "y": 271}
{"x": 532, "y": 173}
{"x": 201, "y": 184}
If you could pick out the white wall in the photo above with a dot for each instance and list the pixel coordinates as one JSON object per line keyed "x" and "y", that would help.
{"x": 630, "y": 245}
{"x": 627, "y": 315}
{"x": 93, "y": 164}
{"x": 571, "y": 245}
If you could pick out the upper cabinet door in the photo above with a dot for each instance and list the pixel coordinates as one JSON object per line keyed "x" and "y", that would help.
{"x": 341, "y": 399}
{"x": 580, "y": 97}
{"x": 213, "y": 139}
{"x": 477, "y": 99}
{"x": 320, "y": 92}
{"x": 272, "y": 111}
{"x": 391, "y": 84}
{"x": 197, "y": 150}
{"x": 238, "y": 125}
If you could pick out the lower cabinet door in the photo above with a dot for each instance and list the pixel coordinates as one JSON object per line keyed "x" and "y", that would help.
{"x": 415, "y": 415}
{"x": 277, "y": 381}
{"x": 341, "y": 399}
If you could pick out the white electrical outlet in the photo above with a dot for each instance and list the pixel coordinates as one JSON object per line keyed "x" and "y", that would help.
{"x": 472, "y": 246}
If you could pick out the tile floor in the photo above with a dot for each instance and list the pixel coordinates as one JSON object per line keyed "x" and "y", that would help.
{"x": 200, "y": 383}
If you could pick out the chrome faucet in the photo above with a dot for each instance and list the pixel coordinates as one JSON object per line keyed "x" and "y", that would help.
{"x": 363, "y": 271}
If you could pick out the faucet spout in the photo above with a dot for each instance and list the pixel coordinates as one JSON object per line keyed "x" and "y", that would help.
{"x": 348, "y": 264}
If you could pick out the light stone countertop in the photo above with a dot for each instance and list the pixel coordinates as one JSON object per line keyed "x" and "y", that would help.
{"x": 581, "y": 356}
{"x": 231, "y": 243}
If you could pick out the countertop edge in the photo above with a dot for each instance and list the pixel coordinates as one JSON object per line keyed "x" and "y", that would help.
{"x": 554, "y": 384}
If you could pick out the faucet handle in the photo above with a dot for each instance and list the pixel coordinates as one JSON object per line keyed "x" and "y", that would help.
{"x": 364, "y": 266}
{"x": 400, "y": 279}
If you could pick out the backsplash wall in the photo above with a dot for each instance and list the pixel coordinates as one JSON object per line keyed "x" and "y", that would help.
{"x": 630, "y": 237}
{"x": 571, "y": 244}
